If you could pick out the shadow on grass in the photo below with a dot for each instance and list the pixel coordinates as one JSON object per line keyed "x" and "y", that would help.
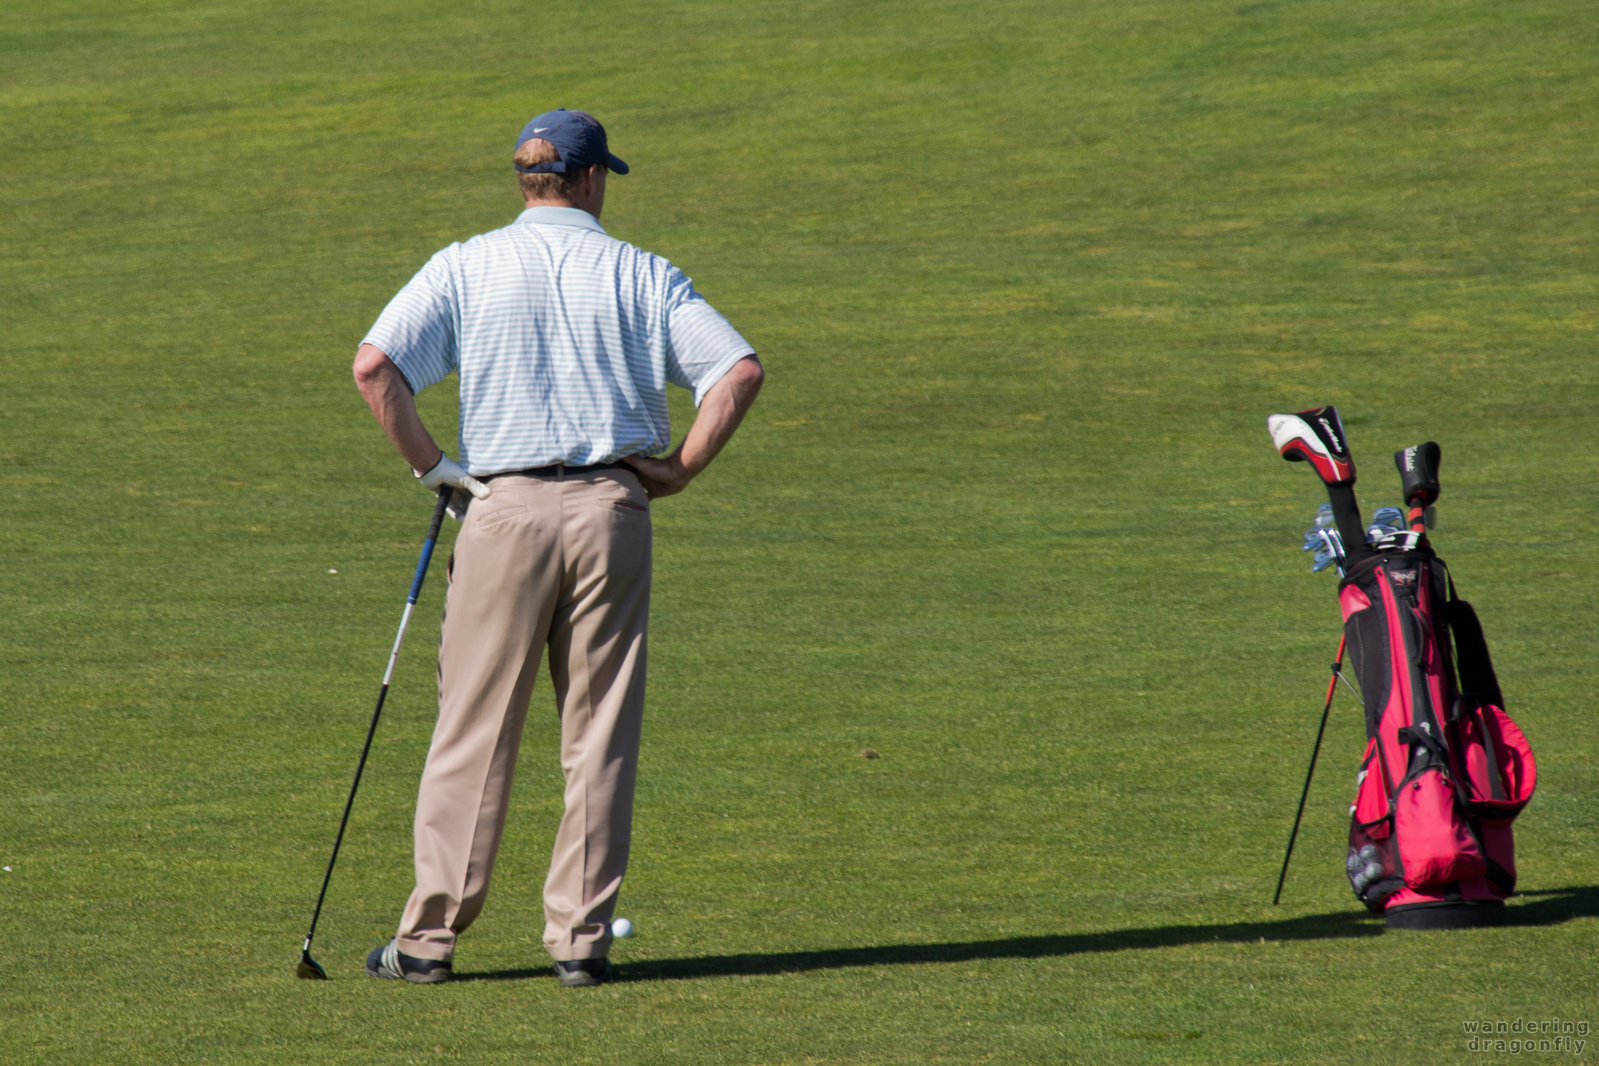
{"x": 1549, "y": 907}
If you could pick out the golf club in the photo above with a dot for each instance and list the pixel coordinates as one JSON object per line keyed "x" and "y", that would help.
{"x": 1418, "y": 477}
{"x": 1317, "y": 436}
{"x": 1332, "y": 687}
{"x": 309, "y": 968}
{"x": 1327, "y": 548}
{"x": 1418, "y": 480}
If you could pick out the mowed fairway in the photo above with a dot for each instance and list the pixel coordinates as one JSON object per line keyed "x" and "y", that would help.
{"x": 985, "y": 665}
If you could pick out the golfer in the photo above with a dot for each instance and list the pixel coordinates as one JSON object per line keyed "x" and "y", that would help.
{"x": 563, "y": 340}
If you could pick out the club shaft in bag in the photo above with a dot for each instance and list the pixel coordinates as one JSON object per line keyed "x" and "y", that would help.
{"x": 309, "y": 968}
{"x": 1346, "y": 516}
{"x": 1332, "y": 687}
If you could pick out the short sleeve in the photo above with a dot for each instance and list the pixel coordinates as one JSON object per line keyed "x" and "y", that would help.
{"x": 701, "y": 344}
{"x": 418, "y": 330}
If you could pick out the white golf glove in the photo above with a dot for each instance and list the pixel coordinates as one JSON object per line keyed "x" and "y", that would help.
{"x": 449, "y": 472}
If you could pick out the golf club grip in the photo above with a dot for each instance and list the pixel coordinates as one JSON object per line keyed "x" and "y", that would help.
{"x": 439, "y": 509}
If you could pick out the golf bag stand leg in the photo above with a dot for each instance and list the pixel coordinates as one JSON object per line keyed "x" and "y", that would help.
{"x": 1332, "y": 687}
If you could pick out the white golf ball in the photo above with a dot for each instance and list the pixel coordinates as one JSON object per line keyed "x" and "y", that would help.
{"x": 622, "y": 928}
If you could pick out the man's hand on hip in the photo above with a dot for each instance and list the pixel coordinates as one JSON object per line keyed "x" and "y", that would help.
{"x": 660, "y": 477}
{"x": 449, "y": 472}
{"x": 719, "y": 415}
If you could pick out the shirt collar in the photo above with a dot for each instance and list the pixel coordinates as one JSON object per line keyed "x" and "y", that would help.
{"x": 561, "y": 216}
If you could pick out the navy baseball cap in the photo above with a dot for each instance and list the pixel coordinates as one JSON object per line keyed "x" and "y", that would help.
{"x": 578, "y": 138}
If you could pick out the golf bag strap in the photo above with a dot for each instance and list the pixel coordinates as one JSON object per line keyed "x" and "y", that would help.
{"x": 1424, "y": 739}
{"x": 1496, "y": 787}
{"x": 1472, "y": 660}
{"x": 1499, "y": 875}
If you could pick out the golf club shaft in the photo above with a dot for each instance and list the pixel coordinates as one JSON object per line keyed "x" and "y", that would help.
{"x": 394, "y": 655}
{"x": 1332, "y": 687}
{"x": 1346, "y": 516}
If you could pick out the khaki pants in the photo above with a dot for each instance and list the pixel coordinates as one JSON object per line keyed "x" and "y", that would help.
{"x": 559, "y": 561}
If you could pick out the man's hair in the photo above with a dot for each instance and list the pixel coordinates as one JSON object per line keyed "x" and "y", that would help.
{"x": 545, "y": 186}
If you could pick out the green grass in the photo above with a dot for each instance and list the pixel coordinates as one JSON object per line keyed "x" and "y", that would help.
{"x": 1027, "y": 278}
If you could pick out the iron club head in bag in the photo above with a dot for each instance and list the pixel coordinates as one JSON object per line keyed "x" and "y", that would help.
{"x": 1322, "y": 539}
{"x": 1328, "y": 549}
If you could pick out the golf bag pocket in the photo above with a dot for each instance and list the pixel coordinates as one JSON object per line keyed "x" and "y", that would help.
{"x": 1370, "y": 866}
{"x": 1497, "y": 764}
{"x": 1352, "y": 601}
{"x": 1436, "y": 845}
{"x": 1371, "y": 794}
{"x": 1373, "y": 873}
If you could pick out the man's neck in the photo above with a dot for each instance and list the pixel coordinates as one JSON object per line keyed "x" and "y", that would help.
{"x": 563, "y": 203}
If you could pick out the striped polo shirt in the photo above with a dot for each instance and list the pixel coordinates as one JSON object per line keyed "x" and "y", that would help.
{"x": 564, "y": 340}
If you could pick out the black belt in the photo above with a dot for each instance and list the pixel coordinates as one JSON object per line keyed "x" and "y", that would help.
{"x": 556, "y": 470}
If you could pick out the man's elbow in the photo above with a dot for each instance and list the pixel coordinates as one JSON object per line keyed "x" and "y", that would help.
{"x": 749, "y": 376}
{"x": 373, "y": 368}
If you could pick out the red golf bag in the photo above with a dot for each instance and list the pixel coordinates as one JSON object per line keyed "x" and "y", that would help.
{"x": 1445, "y": 771}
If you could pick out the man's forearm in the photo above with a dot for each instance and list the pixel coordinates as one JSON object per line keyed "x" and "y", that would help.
{"x": 720, "y": 413}
{"x": 386, "y": 393}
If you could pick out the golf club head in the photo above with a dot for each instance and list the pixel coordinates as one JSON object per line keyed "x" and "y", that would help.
{"x": 1315, "y": 436}
{"x": 1327, "y": 547}
{"x": 1387, "y": 520}
{"x": 1418, "y": 473}
{"x": 1402, "y": 540}
{"x": 309, "y": 969}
